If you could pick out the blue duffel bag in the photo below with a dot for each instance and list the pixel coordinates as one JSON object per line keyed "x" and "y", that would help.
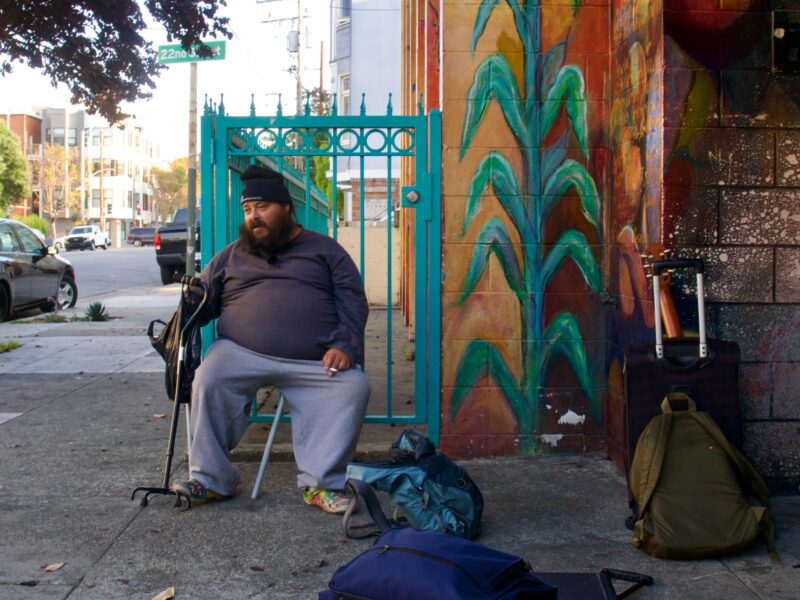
{"x": 405, "y": 563}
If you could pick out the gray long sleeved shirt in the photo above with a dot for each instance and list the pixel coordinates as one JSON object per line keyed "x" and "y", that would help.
{"x": 297, "y": 304}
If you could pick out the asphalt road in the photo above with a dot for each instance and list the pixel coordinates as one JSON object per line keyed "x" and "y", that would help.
{"x": 101, "y": 273}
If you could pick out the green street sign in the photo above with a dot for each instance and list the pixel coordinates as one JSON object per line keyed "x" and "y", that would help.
{"x": 174, "y": 53}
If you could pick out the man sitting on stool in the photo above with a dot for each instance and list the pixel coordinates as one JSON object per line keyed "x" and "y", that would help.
{"x": 292, "y": 312}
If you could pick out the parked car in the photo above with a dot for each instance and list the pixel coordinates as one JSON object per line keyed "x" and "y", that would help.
{"x": 31, "y": 275}
{"x": 141, "y": 236}
{"x": 86, "y": 236}
{"x": 170, "y": 244}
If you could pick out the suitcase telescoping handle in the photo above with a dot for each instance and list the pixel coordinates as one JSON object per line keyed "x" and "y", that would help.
{"x": 680, "y": 263}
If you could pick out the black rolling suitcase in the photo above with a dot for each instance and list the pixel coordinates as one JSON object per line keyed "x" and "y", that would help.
{"x": 705, "y": 369}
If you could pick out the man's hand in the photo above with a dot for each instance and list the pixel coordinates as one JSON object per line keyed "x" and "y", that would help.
{"x": 335, "y": 360}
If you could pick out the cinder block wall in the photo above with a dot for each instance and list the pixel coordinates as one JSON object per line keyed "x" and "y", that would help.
{"x": 732, "y": 196}
{"x": 376, "y": 260}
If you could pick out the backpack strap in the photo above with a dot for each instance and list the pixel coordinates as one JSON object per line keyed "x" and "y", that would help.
{"x": 359, "y": 488}
{"x": 654, "y": 445}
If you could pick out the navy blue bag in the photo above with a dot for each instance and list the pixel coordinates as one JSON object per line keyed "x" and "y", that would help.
{"x": 407, "y": 564}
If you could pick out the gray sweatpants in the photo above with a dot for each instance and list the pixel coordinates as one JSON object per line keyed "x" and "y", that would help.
{"x": 327, "y": 413}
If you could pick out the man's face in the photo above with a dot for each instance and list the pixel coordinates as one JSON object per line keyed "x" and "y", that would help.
{"x": 267, "y": 225}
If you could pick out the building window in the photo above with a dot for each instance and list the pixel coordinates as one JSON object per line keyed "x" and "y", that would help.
{"x": 344, "y": 94}
{"x": 109, "y": 167}
{"x": 72, "y": 137}
{"x": 107, "y": 195}
{"x": 58, "y": 136}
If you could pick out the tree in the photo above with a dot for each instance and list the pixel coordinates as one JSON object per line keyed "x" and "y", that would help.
{"x": 171, "y": 187}
{"x": 95, "y": 46}
{"x": 49, "y": 176}
{"x": 319, "y": 104}
{"x": 15, "y": 179}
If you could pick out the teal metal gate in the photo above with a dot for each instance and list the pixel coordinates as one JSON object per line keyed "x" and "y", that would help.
{"x": 289, "y": 144}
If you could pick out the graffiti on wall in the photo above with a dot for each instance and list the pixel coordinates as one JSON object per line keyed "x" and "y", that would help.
{"x": 529, "y": 199}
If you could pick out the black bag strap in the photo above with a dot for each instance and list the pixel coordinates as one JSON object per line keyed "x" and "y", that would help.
{"x": 637, "y": 579}
{"x": 359, "y": 488}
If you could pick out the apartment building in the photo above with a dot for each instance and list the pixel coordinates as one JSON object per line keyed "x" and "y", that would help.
{"x": 114, "y": 166}
{"x": 365, "y": 64}
{"x": 109, "y": 178}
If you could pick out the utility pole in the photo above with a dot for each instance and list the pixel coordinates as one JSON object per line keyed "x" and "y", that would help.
{"x": 298, "y": 72}
{"x": 321, "y": 59}
{"x": 102, "y": 170}
{"x": 65, "y": 193}
{"x": 299, "y": 64}
{"x": 83, "y": 176}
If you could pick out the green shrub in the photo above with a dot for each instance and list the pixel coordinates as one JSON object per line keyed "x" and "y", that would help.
{"x": 8, "y": 345}
{"x": 35, "y": 222}
{"x": 97, "y": 312}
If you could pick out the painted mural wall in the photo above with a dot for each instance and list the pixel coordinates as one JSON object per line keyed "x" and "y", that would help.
{"x": 636, "y": 139}
{"x": 524, "y": 182}
{"x": 576, "y": 134}
{"x": 732, "y": 196}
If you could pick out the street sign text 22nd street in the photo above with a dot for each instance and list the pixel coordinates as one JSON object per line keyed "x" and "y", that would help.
{"x": 174, "y": 53}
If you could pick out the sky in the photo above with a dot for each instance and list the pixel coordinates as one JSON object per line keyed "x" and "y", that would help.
{"x": 257, "y": 62}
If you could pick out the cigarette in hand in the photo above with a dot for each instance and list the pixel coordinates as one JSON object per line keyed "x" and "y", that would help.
{"x": 333, "y": 369}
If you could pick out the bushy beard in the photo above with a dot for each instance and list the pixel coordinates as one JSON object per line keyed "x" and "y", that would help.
{"x": 271, "y": 244}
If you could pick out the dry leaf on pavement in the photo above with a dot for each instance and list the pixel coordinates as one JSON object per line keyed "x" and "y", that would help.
{"x": 159, "y": 416}
{"x": 167, "y": 594}
{"x": 53, "y": 567}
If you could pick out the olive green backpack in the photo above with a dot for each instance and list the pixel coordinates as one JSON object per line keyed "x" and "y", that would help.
{"x": 693, "y": 489}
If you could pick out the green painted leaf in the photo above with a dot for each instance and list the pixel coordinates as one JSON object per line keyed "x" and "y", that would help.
{"x": 493, "y": 238}
{"x": 551, "y": 62}
{"x": 572, "y": 244}
{"x": 563, "y": 336}
{"x": 572, "y": 174}
{"x": 554, "y": 156}
{"x": 495, "y": 169}
{"x": 482, "y": 358}
{"x": 484, "y": 12}
{"x": 493, "y": 78}
{"x": 567, "y": 88}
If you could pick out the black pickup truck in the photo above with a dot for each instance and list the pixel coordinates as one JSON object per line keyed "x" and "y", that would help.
{"x": 170, "y": 243}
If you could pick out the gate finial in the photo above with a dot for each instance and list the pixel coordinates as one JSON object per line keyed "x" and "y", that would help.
{"x": 206, "y": 105}
{"x": 420, "y": 107}
{"x": 221, "y": 106}
{"x": 252, "y": 105}
{"x": 389, "y": 106}
{"x": 334, "y": 108}
{"x": 363, "y": 104}
{"x": 280, "y": 106}
{"x": 307, "y": 107}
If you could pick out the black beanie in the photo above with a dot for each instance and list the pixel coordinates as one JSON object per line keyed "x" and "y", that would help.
{"x": 263, "y": 184}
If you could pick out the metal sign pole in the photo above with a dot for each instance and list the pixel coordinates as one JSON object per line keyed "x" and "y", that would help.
{"x": 192, "y": 175}
{"x": 174, "y": 53}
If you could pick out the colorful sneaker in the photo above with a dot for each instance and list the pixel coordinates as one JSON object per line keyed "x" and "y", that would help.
{"x": 197, "y": 492}
{"x": 331, "y": 501}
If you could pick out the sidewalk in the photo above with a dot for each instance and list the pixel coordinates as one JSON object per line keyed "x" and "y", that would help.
{"x": 83, "y": 421}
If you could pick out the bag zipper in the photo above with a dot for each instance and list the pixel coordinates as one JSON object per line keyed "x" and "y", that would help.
{"x": 511, "y": 572}
{"x": 346, "y": 596}
{"x": 434, "y": 557}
